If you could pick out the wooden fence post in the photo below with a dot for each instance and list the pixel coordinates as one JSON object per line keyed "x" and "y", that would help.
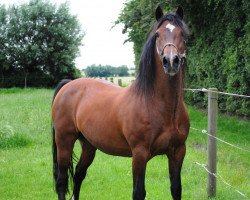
{"x": 212, "y": 149}
{"x": 120, "y": 82}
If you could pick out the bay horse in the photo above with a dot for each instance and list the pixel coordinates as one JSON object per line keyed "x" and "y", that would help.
{"x": 146, "y": 119}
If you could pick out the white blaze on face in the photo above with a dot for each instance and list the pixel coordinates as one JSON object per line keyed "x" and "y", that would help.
{"x": 170, "y": 27}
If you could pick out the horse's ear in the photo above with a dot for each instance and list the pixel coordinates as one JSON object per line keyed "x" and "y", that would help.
{"x": 158, "y": 13}
{"x": 179, "y": 12}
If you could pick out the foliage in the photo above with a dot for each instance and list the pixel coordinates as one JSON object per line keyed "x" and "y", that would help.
{"x": 218, "y": 49}
{"x": 137, "y": 18}
{"x": 121, "y": 71}
{"x": 39, "y": 40}
{"x": 106, "y": 71}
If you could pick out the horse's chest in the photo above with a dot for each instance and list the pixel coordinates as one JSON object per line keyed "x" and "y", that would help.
{"x": 165, "y": 139}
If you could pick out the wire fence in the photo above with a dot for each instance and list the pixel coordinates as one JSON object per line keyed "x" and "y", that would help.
{"x": 204, "y": 166}
{"x": 32, "y": 80}
{"x": 216, "y": 175}
{"x": 224, "y": 93}
{"x": 205, "y": 132}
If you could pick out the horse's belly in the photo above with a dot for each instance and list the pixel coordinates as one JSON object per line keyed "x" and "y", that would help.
{"x": 115, "y": 150}
{"x": 105, "y": 135}
{"x": 110, "y": 144}
{"x": 97, "y": 120}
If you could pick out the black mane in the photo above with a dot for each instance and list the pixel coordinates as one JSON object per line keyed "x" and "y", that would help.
{"x": 144, "y": 84}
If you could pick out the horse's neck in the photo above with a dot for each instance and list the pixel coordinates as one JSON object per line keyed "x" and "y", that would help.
{"x": 169, "y": 90}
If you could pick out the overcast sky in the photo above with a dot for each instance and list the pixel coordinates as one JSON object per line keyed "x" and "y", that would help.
{"x": 101, "y": 45}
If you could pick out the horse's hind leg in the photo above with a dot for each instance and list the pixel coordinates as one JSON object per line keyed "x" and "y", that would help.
{"x": 87, "y": 157}
{"x": 65, "y": 143}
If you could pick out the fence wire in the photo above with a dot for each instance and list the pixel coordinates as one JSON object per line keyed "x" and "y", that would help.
{"x": 221, "y": 178}
{"x": 224, "y": 93}
{"x": 223, "y": 141}
{"x": 203, "y": 131}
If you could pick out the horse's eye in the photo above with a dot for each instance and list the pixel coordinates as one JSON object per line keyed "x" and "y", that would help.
{"x": 157, "y": 35}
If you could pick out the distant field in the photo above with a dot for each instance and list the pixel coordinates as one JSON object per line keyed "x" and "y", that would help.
{"x": 26, "y": 159}
{"x": 127, "y": 80}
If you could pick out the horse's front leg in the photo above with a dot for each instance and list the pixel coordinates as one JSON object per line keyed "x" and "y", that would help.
{"x": 175, "y": 160}
{"x": 140, "y": 159}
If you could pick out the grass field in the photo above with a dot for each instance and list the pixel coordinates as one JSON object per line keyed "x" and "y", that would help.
{"x": 26, "y": 159}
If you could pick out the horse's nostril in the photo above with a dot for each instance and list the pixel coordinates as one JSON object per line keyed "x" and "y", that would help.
{"x": 165, "y": 62}
{"x": 176, "y": 61}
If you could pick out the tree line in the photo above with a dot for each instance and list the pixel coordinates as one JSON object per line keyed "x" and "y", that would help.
{"x": 39, "y": 42}
{"x": 106, "y": 71}
{"x": 218, "y": 47}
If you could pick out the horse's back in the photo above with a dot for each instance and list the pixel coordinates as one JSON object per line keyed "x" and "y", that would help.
{"x": 77, "y": 89}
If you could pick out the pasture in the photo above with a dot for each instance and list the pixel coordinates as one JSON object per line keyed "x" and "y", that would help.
{"x": 125, "y": 80}
{"x": 26, "y": 158}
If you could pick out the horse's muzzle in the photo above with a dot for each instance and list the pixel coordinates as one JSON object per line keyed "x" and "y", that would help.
{"x": 171, "y": 64}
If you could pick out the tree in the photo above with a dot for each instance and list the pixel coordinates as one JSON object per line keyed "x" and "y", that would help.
{"x": 98, "y": 71}
{"x": 42, "y": 41}
{"x": 137, "y": 17}
{"x": 122, "y": 71}
{"x": 106, "y": 71}
{"x": 3, "y": 39}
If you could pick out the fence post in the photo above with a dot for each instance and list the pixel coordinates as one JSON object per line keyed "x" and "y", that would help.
{"x": 120, "y": 82}
{"x": 111, "y": 79}
{"x": 212, "y": 149}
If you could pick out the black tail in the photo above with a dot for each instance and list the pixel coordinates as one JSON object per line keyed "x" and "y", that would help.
{"x": 59, "y": 86}
{"x": 54, "y": 148}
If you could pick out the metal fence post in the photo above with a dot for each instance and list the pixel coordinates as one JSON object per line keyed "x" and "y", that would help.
{"x": 212, "y": 149}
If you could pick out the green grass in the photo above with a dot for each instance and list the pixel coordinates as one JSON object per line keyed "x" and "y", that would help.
{"x": 26, "y": 159}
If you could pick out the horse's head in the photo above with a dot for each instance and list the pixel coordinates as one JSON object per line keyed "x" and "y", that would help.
{"x": 170, "y": 35}
{"x": 164, "y": 50}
